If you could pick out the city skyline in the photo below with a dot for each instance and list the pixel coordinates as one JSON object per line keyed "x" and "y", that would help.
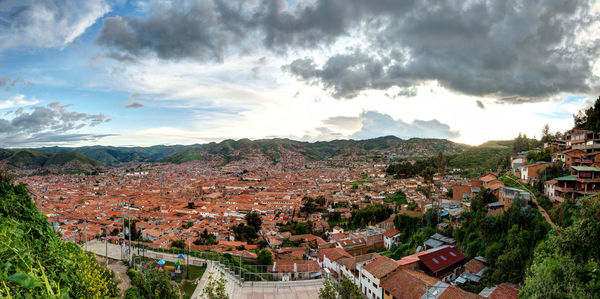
{"x": 133, "y": 74}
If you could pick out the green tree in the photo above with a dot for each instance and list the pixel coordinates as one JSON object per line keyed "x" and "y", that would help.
{"x": 178, "y": 244}
{"x": 588, "y": 119}
{"x": 150, "y": 283}
{"x": 264, "y": 257}
{"x": 254, "y": 219}
{"x": 249, "y": 233}
{"x": 215, "y": 287}
{"x": 345, "y": 289}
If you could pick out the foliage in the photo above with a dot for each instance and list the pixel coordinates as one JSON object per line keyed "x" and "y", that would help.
{"x": 345, "y": 289}
{"x": 544, "y": 155}
{"x": 150, "y": 283}
{"x": 264, "y": 257}
{"x": 522, "y": 143}
{"x": 567, "y": 264}
{"x": 178, "y": 244}
{"x": 506, "y": 240}
{"x": 371, "y": 214}
{"x": 588, "y": 119}
{"x": 399, "y": 198}
{"x": 407, "y": 225}
{"x": 35, "y": 263}
{"x": 215, "y": 288}
{"x": 254, "y": 219}
{"x": 206, "y": 239}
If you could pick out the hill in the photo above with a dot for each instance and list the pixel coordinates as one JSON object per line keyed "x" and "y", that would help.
{"x": 35, "y": 263}
{"x": 113, "y": 155}
{"x": 32, "y": 159}
{"x": 273, "y": 149}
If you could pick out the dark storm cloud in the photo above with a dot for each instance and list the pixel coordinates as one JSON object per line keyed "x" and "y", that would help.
{"x": 50, "y": 123}
{"x": 514, "y": 51}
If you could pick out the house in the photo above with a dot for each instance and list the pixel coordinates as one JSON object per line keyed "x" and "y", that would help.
{"x": 390, "y": 238}
{"x": 584, "y": 180}
{"x": 507, "y": 195}
{"x": 294, "y": 269}
{"x": 328, "y": 259}
{"x": 516, "y": 161}
{"x": 549, "y": 191}
{"x": 413, "y": 284}
{"x": 501, "y": 291}
{"x": 587, "y": 141}
{"x": 473, "y": 270}
{"x": 337, "y": 229}
{"x": 442, "y": 262}
{"x": 531, "y": 173}
{"x": 437, "y": 240}
{"x": 372, "y": 274}
{"x": 488, "y": 179}
{"x": 495, "y": 208}
{"x": 351, "y": 266}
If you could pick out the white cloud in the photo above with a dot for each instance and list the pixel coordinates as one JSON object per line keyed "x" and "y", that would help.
{"x": 17, "y": 101}
{"x": 46, "y": 24}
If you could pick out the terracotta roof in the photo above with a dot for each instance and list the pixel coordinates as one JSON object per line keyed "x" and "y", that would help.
{"x": 294, "y": 266}
{"x": 381, "y": 266}
{"x": 333, "y": 254}
{"x": 504, "y": 291}
{"x": 412, "y": 284}
{"x": 391, "y": 232}
{"x": 474, "y": 266}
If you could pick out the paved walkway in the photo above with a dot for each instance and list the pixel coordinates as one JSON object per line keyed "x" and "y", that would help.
{"x": 234, "y": 287}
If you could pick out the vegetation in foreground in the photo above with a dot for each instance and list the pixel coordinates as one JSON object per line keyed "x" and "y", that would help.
{"x": 35, "y": 263}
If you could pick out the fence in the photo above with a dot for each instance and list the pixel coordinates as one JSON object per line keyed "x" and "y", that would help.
{"x": 242, "y": 271}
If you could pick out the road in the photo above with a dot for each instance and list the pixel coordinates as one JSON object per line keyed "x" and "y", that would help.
{"x": 542, "y": 211}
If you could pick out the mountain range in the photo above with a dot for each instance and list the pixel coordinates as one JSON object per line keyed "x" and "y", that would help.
{"x": 89, "y": 157}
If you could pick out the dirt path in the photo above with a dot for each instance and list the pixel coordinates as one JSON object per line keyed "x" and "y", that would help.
{"x": 542, "y": 211}
{"x": 120, "y": 271}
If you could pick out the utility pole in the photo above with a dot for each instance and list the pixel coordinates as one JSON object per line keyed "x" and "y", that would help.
{"x": 106, "y": 244}
{"x": 85, "y": 232}
{"x": 129, "y": 228}
{"x": 122, "y": 243}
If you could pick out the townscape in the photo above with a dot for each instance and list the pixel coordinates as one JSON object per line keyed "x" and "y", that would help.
{"x": 342, "y": 218}
{"x": 285, "y": 149}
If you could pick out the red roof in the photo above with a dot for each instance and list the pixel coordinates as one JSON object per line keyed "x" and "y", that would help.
{"x": 441, "y": 259}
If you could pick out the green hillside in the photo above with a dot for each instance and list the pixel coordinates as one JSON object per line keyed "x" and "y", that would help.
{"x": 35, "y": 263}
{"x": 231, "y": 150}
{"x": 31, "y": 159}
{"x": 113, "y": 155}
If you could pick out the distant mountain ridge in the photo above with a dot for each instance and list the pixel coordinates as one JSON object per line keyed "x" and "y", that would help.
{"x": 227, "y": 150}
{"x": 32, "y": 159}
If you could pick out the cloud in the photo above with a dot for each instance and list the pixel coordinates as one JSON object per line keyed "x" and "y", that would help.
{"x": 133, "y": 101}
{"x": 17, "y": 100}
{"x": 344, "y": 122}
{"x": 375, "y": 124}
{"x": 480, "y": 104}
{"x": 372, "y": 124}
{"x": 46, "y": 24}
{"x": 7, "y": 83}
{"x": 513, "y": 51}
{"x": 52, "y": 123}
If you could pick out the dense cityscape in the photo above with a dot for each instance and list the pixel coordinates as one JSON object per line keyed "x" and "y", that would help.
{"x": 331, "y": 149}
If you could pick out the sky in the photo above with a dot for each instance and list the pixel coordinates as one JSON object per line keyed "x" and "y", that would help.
{"x": 140, "y": 73}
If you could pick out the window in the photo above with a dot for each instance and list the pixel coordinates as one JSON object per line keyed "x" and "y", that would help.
{"x": 435, "y": 261}
{"x": 443, "y": 257}
{"x": 452, "y": 253}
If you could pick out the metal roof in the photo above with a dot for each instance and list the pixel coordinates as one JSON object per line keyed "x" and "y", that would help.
{"x": 566, "y": 178}
{"x": 585, "y": 168}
